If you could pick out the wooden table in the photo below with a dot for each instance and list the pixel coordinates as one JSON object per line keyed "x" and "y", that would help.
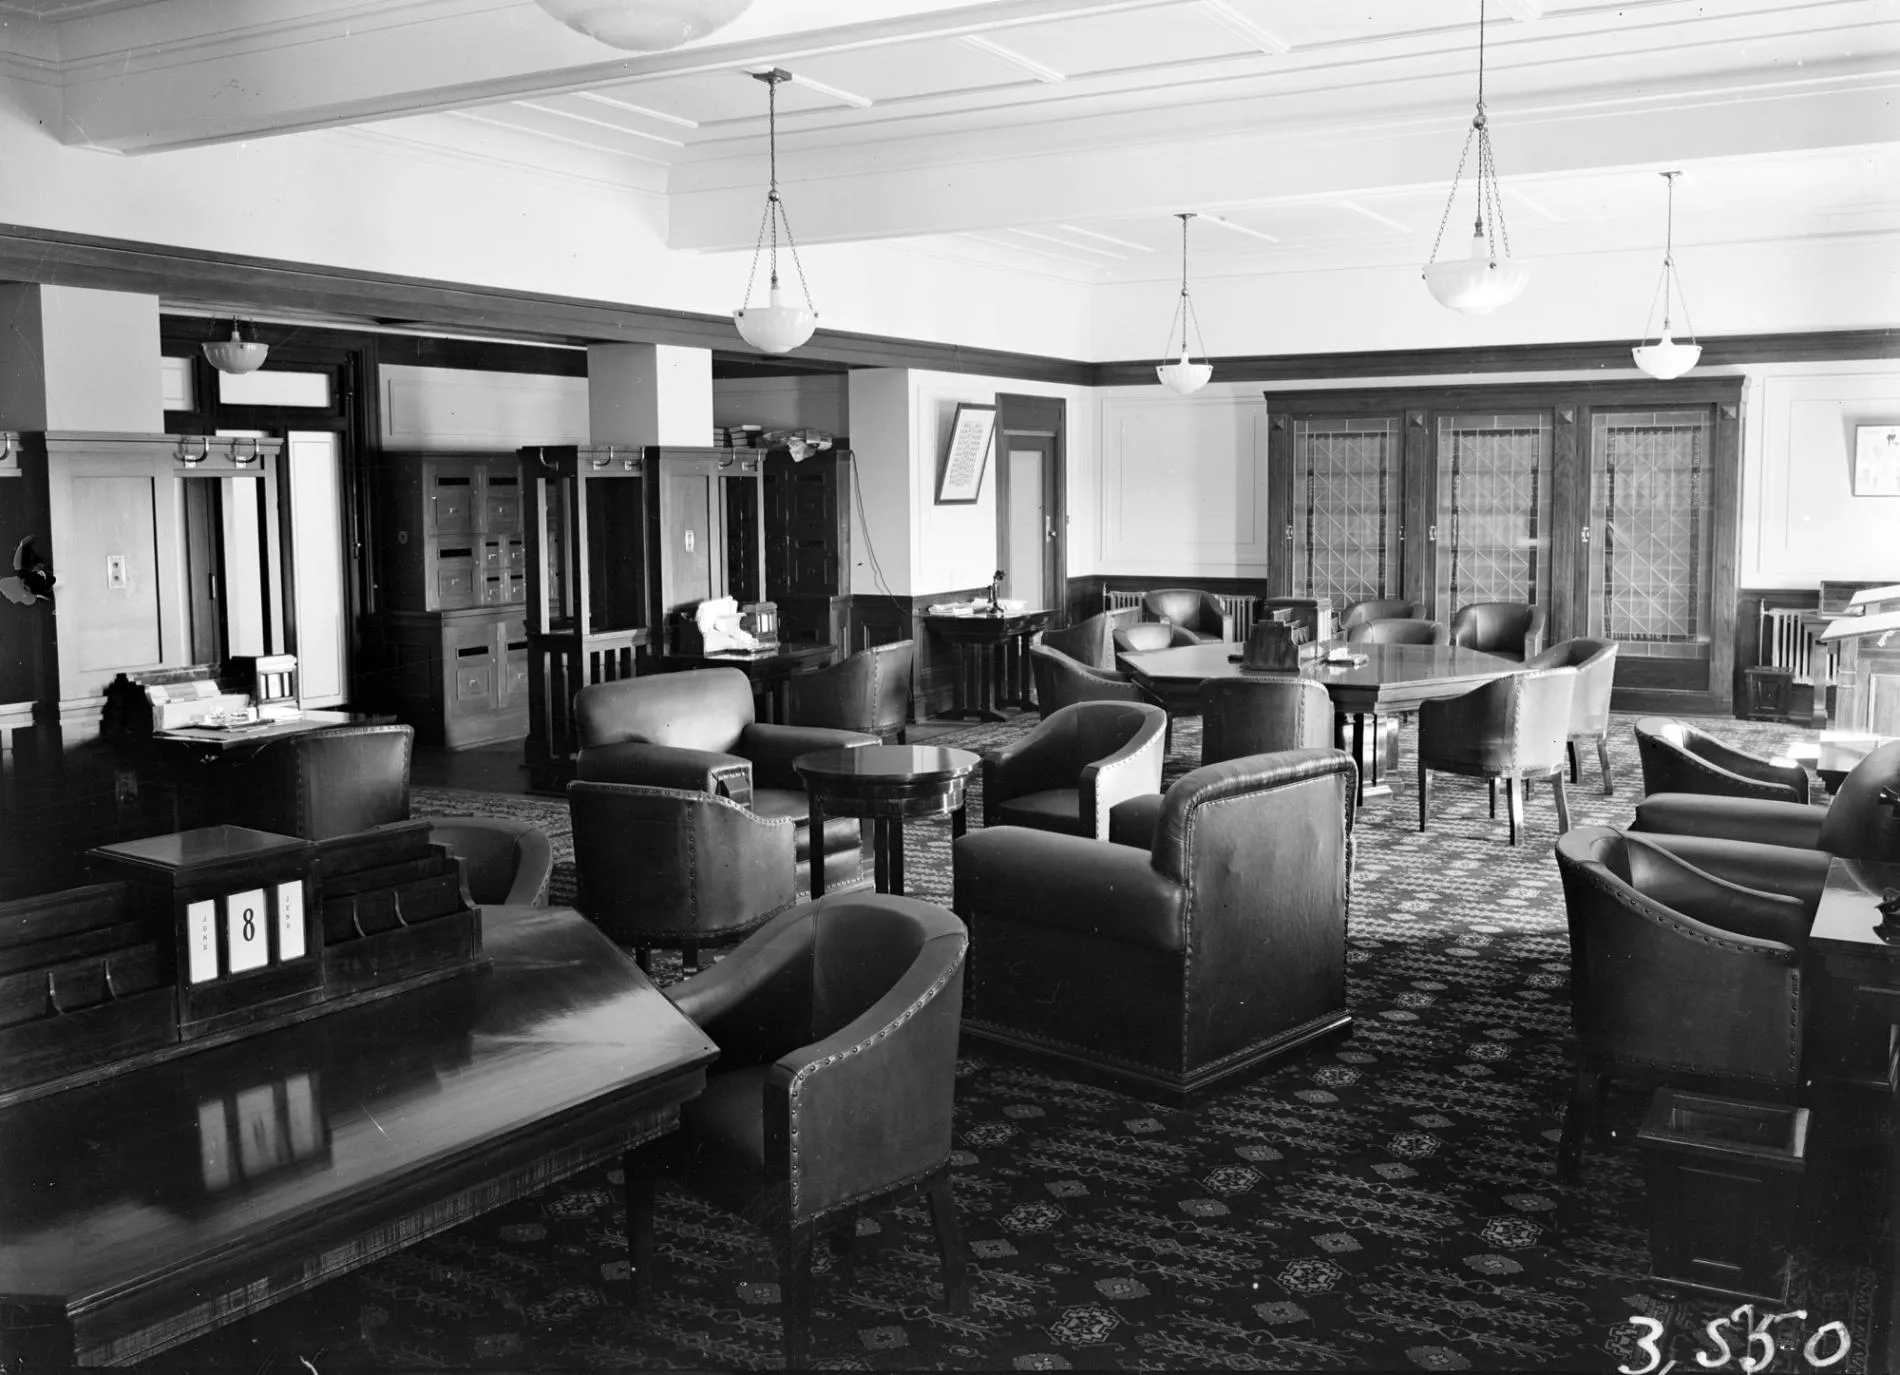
{"x": 767, "y": 668}
{"x": 1835, "y": 754}
{"x": 1394, "y": 678}
{"x": 188, "y": 762}
{"x": 888, "y": 784}
{"x": 144, "y": 1210}
{"x": 1860, "y": 945}
{"x": 992, "y": 654}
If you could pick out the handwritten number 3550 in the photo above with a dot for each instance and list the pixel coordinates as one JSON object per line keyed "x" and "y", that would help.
{"x": 1754, "y": 1329}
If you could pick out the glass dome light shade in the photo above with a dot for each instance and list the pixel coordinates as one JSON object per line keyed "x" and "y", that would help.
{"x": 235, "y": 354}
{"x": 1184, "y": 377}
{"x": 1666, "y": 358}
{"x": 777, "y": 327}
{"x": 1476, "y": 285}
{"x": 645, "y": 25}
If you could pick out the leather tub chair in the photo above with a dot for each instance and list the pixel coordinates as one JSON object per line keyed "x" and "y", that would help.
{"x": 1510, "y": 630}
{"x": 1090, "y": 642}
{"x": 1142, "y": 636}
{"x": 695, "y": 730}
{"x": 1170, "y": 969}
{"x": 327, "y": 783}
{"x": 1511, "y": 729}
{"x": 1675, "y": 975}
{"x": 1783, "y": 847}
{"x": 869, "y": 691}
{"x": 1680, "y": 758}
{"x": 837, "y": 1027}
{"x": 1258, "y": 714}
{"x": 1072, "y": 768}
{"x": 1198, "y": 613}
{"x": 1399, "y": 632}
{"x": 1595, "y": 662}
{"x": 1379, "y": 609}
{"x": 505, "y": 862}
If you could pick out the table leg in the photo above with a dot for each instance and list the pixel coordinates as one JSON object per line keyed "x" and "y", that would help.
{"x": 880, "y": 856}
{"x": 959, "y": 823}
{"x": 817, "y": 834}
{"x": 1359, "y": 751}
{"x": 894, "y": 865}
{"x": 959, "y": 695}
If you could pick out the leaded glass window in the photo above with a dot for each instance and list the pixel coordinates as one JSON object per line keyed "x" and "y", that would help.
{"x": 1493, "y": 510}
{"x": 1346, "y": 511}
{"x": 1652, "y": 502}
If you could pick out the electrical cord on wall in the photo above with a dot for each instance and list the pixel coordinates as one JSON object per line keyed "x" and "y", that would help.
{"x": 870, "y": 548}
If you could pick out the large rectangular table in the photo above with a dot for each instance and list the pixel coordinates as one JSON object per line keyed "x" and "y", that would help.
{"x": 768, "y": 669}
{"x": 1394, "y": 678}
{"x": 144, "y": 1210}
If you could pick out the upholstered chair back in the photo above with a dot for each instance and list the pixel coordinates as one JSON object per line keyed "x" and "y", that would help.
{"x": 703, "y": 709}
{"x": 1262, "y": 714}
{"x": 1187, "y": 607}
{"x": 1399, "y": 632}
{"x": 1379, "y": 609}
{"x": 1595, "y": 662}
{"x": 330, "y": 783}
{"x": 1090, "y": 642}
{"x": 1512, "y": 630}
{"x": 868, "y": 691}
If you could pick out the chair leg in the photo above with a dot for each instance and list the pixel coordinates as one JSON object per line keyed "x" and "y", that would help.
{"x": 1570, "y": 752}
{"x": 643, "y": 957}
{"x": 1494, "y": 797}
{"x": 943, "y": 1209}
{"x": 689, "y": 957}
{"x": 1584, "y": 1107}
{"x": 1424, "y": 792}
{"x": 1563, "y": 803}
{"x": 794, "y": 1283}
{"x": 1603, "y": 761}
{"x": 640, "y": 1191}
{"x": 1514, "y": 804}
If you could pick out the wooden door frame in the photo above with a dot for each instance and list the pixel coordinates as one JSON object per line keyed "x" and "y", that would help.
{"x": 1037, "y": 417}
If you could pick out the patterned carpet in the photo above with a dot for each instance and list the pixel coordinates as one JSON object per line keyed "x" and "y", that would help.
{"x": 1385, "y": 1202}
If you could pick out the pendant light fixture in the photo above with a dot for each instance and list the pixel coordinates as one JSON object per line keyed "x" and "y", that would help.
{"x": 1666, "y": 358}
{"x": 775, "y": 327}
{"x": 645, "y": 26}
{"x": 1184, "y": 377}
{"x": 1483, "y": 281}
{"x": 236, "y": 354}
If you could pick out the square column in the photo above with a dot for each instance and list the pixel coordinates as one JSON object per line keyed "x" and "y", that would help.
{"x": 649, "y": 394}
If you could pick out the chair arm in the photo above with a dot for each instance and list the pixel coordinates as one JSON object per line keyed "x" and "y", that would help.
{"x": 1674, "y": 882}
{"x": 869, "y": 1107}
{"x": 773, "y": 748}
{"x": 1799, "y": 874}
{"x": 1534, "y": 632}
{"x": 1014, "y": 874}
{"x": 534, "y": 862}
{"x": 759, "y": 996}
{"x": 1794, "y": 824}
{"x": 1746, "y": 768}
{"x": 1133, "y": 822}
{"x": 667, "y": 766}
{"x": 1132, "y": 771}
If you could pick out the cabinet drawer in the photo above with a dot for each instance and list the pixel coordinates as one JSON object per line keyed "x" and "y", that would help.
{"x": 495, "y": 589}
{"x": 455, "y": 578}
{"x": 504, "y": 510}
{"x": 514, "y": 673}
{"x": 475, "y": 676}
{"x": 451, "y": 505}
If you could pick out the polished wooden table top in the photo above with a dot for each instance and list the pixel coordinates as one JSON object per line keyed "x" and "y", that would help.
{"x": 151, "y": 1206}
{"x": 876, "y": 764}
{"x": 1849, "y": 920}
{"x": 224, "y": 739}
{"x": 1391, "y": 675}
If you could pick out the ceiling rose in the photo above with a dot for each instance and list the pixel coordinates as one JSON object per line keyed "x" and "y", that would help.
{"x": 645, "y": 25}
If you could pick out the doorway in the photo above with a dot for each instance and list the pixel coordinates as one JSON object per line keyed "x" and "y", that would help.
{"x": 1031, "y": 508}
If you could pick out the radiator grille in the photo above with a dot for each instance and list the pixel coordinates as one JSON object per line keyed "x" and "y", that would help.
{"x": 1786, "y": 643}
{"x": 1241, "y": 607}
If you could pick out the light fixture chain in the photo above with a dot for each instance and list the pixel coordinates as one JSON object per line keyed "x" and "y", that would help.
{"x": 1194, "y": 319}
{"x": 753, "y": 275}
{"x": 1451, "y": 200}
{"x": 792, "y": 247}
{"x": 1490, "y": 190}
{"x": 1178, "y": 318}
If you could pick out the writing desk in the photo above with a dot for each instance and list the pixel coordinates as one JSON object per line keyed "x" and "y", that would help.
{"x": 767, "y": 669}
{"x": 992, "y": 660}
{"x": 144, "y": 1210}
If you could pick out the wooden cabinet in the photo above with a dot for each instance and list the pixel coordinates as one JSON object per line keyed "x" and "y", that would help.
{"x": 454, "y": 585}
{"x": 705, "y": 530}
{"x": 808, "y": 545}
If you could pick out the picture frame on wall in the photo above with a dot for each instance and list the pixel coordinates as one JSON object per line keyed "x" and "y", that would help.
{"x": 1877, "y": 460}
{"x": 967, "y": 455}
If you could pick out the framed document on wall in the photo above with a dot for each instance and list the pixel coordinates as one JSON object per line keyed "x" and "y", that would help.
{"x": 1877, "y": 460}
{"x": 961, "y": 476}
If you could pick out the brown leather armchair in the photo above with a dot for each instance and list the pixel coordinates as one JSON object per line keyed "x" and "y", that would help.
{"x": 1396, "y": 631}
{"x": 328, "y": 783}
{"x": 1513, "y": 729}
{"x": 1510, "y": 630}
{"x": 1171, "y": 968}
{"x": 675, "y": 867}
{"x": 1190, "y": 609}
{"x": 695, "y": 731}
{"x": 1380, "y": 609}
{"x": 1075, "y": 765}
{"x": 1143, "y": 636}
{"x": 1595, "y": 662}
{"x": 1783, "y": 847}
{"x": 869, "y": 691}
{"x": 1090, "y": 642}
{"x": 505, "y": 862}
{"x": 1674, "y": 975}
{"x": 1680, "y": 758}
{"x": 837, "y": 1028}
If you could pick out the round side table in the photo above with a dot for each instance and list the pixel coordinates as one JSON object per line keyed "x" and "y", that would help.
{"x": 887, "y": 785}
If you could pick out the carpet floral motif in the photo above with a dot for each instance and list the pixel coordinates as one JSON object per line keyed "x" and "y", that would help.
{"x": 1386, "y": 1201}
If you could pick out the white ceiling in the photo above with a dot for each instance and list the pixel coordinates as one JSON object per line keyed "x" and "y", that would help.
{"x": 1323, "y": 134}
